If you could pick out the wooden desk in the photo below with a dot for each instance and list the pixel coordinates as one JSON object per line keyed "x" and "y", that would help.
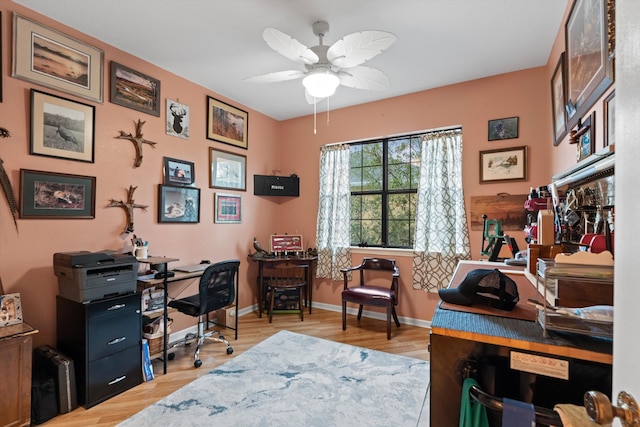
{"x": 15, "y": 371}
{"x": 266, "y": 261}
{"x": 488, "y": 344}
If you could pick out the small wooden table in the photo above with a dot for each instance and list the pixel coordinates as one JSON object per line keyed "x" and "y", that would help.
{"x": 266, "y": 261}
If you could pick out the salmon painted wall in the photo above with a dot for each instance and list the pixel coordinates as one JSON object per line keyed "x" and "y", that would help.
{"x": 26, "y": 256}
{"x": 286, "y": 147}
{"x": 470, "y": 105}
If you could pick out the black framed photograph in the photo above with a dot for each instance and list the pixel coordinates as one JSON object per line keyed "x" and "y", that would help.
{"x": 177, "y": 119}
{"x": 49, "y": 58}
{"x": 228, "y": 209}
{"x": 609, "y": 121}
{"x": 587, "y": 141}
{"x": 226, "y": 123}
{"x": 53, "y": 195}
{"x": 61, "y": 127}
{"x": 178, "y": 172}
{"x": 558, "y": 102}
{"x": 178, "y": 204}
{"x": 505, "y": 164}
{"x": 588, "y": 65}
{"x": 132, "y": 89}
{"x": 503, "y": 128}
{"x": 227, "y": 170}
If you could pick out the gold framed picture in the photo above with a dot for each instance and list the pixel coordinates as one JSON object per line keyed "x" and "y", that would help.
{"x": 226, "y": 123}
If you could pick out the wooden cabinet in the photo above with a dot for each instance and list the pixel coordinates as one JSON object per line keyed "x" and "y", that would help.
{"x": 104, "y": 339}
{"x": 15, "y": 371}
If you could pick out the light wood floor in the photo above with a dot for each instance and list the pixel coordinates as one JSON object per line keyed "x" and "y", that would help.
{"x": 407, "y": 340}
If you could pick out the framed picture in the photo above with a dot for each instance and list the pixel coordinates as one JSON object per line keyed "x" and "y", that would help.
{"x": 178, "y": 172}
{"x": 134, "y": 90}
{"x": 1, "y": 56}
{"x": 178, "y": 204}
{"x": 506, "y": 164}
{"x": 61, "y": 127}
{"x": 286, "y": 243}
{"x": 503, "y": 128}
{"x": 226, "y": 123}
{"x": 586, "y": 143}
{"x": 56, "y": 195}
{"x": 228, "y": 209}
{"x": 10, "y": 310}
{"x": 177, "y": 119}
{"x": 558, "y": 102}
{"x": 589, "y": 68}
{"x": 228, "y": 170}
{"x": 52, "y": 59}
{"x": 609, "y": 121}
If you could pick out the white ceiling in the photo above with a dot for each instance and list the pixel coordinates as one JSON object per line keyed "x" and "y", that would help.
{"x": 218, "y": 43}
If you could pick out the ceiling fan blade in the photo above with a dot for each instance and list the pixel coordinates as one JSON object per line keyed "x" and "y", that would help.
{"x": 278, "y": 76}
{"x": 289, "y": 47}
{"x": 366, "y": 78}
{"x": 356, "y": 48}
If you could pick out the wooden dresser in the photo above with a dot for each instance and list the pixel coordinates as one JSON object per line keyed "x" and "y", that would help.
{"x": 15, "y": 370}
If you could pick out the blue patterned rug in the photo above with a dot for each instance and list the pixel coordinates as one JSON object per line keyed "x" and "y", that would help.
{"x": 291, "y": 379}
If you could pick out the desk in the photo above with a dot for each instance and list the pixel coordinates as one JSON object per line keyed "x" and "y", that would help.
{"x": 267, "y": 261}
{"x": 488, "y": 345}
{"x": 179, "y": 276}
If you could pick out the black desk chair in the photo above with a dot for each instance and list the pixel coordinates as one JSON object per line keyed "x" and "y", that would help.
{"x": 217, "y": 290}
{"x": 366, "y": 294}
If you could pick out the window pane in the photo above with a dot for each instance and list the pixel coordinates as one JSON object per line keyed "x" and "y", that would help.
{"x": 355, "y": 155}
{"x": 399, "y": 176}
{"x": 400, "y": 233}
{"x": 399, "y": 151}
{"x": 372, "y": 154}
{"x": 399, "y": 206}
{"x": 356, "y": 179}
{"x": 372, "y": 232}
{"x": 372, "y": 207}
{"x": 372, "y": 178}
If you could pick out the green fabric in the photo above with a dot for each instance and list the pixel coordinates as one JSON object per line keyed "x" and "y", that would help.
{"x": 472, "y": 413}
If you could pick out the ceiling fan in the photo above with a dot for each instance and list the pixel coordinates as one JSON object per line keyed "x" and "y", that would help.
{"x": 327, "y": 67}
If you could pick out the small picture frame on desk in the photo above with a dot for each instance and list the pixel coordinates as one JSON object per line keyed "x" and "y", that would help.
{"x": 10, "y": 310}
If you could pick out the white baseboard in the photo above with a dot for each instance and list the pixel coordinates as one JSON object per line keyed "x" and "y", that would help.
{"x": 179, "y": 335}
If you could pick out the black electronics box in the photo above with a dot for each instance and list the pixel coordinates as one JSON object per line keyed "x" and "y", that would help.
{"x": 268, "y": 185}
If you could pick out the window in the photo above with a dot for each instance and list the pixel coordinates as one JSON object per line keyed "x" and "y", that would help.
{"x": 384, "y": 181}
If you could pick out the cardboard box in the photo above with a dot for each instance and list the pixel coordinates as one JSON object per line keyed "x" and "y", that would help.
{"x": 226, "y": 316}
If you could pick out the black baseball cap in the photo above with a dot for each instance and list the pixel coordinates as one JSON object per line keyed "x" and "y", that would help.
{"x": 486, "y": 287}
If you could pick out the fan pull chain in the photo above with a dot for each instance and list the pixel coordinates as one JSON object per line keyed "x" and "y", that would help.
{"x": 314, "y": 116}
{"x": 328, "y": 109}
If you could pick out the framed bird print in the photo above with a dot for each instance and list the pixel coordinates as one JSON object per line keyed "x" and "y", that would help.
{"x": 61, "y": 127}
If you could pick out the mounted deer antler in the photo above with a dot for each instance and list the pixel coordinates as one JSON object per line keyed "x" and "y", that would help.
{"x": 137, "y": 140}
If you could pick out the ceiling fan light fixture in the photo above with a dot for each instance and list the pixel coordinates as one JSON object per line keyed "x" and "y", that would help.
{"x": 321, "y": 83}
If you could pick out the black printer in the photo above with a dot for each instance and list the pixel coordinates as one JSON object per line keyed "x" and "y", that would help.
{"x": 86, "y": 276}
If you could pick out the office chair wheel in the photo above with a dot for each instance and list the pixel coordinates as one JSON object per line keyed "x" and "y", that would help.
{"x": 197, "y": 363}
{"x": 171, "y": 356}
{"x": 229, "y": 350}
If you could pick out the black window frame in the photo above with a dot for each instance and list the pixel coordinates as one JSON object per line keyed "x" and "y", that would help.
{"x": 384, "y": 192}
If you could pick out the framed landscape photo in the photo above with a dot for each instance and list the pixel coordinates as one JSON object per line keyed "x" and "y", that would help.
{"x": 503, "y": 128}
{"x": 178, "y": 172}
{"x": 588, "y": 65}
{"x": 609, "y": 121}
{"x": 505, "y": 164}
{"x": 227, "y": 170}
{"x": 49, "y": 58}
{"x": 177, "y": 119}
{"x": 61, "y": 127}
{"x": 228, "y": 209}
{"x": 132, "y": 89}
{"x": 558, "y": 102}
{"x": 178, "y": 204}
{"x": 51, "y": 195}
{"x": 226, "y": 123}
{"x": 586, "y": 143}
{"x": 10, "y": 310}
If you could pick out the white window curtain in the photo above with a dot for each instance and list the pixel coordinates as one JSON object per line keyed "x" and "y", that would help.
{"x": 442, "y": 238}
{"x": 332, "y": 229}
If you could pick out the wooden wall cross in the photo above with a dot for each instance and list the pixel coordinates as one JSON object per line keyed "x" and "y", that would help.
{"x": 128, "y": 206}
{"x": 137, "y": 140}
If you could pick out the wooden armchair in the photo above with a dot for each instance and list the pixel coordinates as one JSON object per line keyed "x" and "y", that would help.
{"x": 366, "y": 294}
